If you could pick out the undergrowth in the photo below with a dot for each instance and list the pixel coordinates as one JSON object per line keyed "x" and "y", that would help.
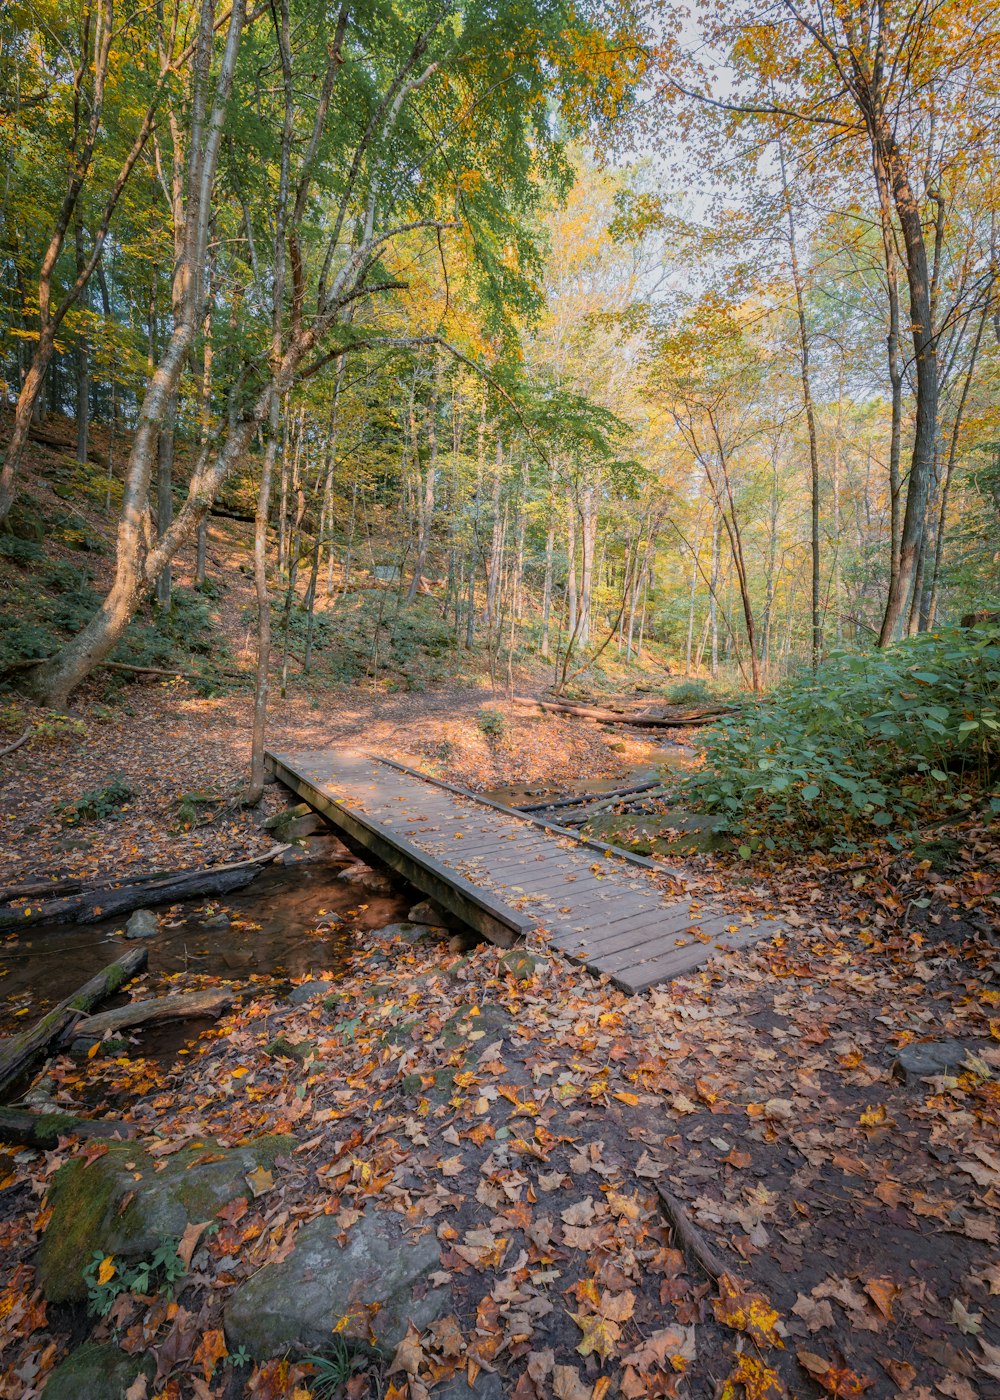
{"x": 869, "y": 744}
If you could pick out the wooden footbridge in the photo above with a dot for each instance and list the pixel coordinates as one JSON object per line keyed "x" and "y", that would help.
{"x": 507, "y": 873}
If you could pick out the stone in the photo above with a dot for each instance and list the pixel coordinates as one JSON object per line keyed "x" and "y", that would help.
{"x": 487, "y": 1387}
{"x": 143, "y": 923}
{"x": 921, "y": 1059}
{"x": 519, "y": 964}
{"x": 306, "y": 991}
{"x": 97, "y": 1371}
{"x": 427, "y": 912}
{"x": 378, "y": 1280}
{"x": 121, "y": 1205}
{"x": 216, "y": 921}
{"x": 371, "y": 881}
{"x": 410, "y": 932}
{"x": 281, "y": 1048}
{"x": 281, "y": 821}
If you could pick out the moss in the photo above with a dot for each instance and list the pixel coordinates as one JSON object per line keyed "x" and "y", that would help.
{"x": 283, "y": 1048}
{"x": 121, "y": 1205}
{"x": 98, "y": 1372}
{"x": 53, "y": 1126}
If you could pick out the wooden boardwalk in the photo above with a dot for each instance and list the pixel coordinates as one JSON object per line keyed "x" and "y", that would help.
{"x": 507, "y": 874}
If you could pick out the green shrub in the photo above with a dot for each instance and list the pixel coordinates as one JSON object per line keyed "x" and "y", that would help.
{"x": 20, "y": 551}
{"x": 691, "y": 692}
{"x": 869, "y": 744}
{"x": 97, "y": 805}
{"x": 492, "y": 723}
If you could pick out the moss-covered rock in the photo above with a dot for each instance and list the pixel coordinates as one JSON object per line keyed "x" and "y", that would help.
{"x": 519, "y": 964}
{"x": 97, "y": 1372}
{"x": 122, "y": 1206}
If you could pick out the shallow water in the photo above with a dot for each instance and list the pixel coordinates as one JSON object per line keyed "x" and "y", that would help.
{"x": 271, "y": 938}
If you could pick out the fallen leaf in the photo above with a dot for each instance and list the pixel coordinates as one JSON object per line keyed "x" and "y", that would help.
{"x": 189, "y": 1243}
{"x": 210, "y": 1351}
{"x": 260, "y": 1180}
{"x": 838, "y": 1380}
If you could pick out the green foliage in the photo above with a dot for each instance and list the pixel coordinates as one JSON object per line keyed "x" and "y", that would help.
{"x": 160, "y": 1272}
{"x": 21, "y": 551}
{"x": 98, "y": 805}
{"x": 690, "y": 692}
{"x": 333, "y": 1371}
{"x": 491, "y": 723}
{"x": 195, "y": 808}
{"x": 866, "y": 746}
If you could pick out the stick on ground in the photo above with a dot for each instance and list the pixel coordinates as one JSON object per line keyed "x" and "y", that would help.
{"x": 690, "y": 1239}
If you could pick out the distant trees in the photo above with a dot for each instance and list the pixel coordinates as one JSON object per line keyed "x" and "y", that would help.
{"x": 890, "y": 110}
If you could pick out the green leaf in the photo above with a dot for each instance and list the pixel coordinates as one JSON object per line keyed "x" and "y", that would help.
{"x": 810, "y": 793}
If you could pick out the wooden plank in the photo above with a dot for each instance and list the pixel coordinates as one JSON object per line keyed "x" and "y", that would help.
{"x": 477, "y": 907}
{"x": 677, "y": 964}
{"x": 601, "y": 846}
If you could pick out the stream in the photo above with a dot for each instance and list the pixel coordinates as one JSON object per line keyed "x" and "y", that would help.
{"x": 271, "y": 932}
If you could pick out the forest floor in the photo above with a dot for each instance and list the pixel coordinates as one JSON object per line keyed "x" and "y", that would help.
{"x": 526, "y": 1115}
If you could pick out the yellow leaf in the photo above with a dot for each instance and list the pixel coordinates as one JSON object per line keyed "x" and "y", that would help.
{"x": 260, "y": 1180}
{"x": 107, "y": 1270}
{"x": 599, "y": 1335}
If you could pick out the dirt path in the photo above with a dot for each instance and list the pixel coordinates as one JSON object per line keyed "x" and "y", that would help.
{"x": 167, "y": 745}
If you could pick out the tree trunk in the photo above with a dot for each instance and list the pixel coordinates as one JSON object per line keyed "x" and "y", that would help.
{"x": 807, "y": 401}
{"x": 255, "y": 791}
{"x": 136, "y": 565}
{"x": 925, "y": 358}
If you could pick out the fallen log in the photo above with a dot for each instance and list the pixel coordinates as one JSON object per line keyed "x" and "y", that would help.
{"x": 20, "y": 1128}
{"x": 688, "y": 719}
{"x": 19, "y": 1053}
{"x": 582, "y": 798}
{"x": 184, "y": 1006}
{"x": 102, "y": 900}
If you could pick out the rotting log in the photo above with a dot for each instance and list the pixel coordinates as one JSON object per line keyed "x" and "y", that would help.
{"x": 184, "y": 1006}
{"x": 20, "y": 1128}
{"x": 102, "y": 900}
{"x": 583, "y": 798}
{"x": 20, "y": 1052}
{"x": 688, "y": 719}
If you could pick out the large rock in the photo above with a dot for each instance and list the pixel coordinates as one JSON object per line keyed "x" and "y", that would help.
{"x": 922, "y": 1059}
{"x": 379, "y": 1281}
{"x": 96, "y": 1372}
{"x": 121, "y": 1205}
{"x": 142, "y": 924}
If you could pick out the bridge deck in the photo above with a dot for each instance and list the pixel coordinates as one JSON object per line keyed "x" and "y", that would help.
{"x": 506, "y": 873}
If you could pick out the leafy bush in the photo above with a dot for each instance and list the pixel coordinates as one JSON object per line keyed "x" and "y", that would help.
{"x": 20, "y": 551}
{"x": 97, "y": 805}
{"x": 690, "y": 693}
{"x": 868, "y": 744}
{"x": 492, "y": 723}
